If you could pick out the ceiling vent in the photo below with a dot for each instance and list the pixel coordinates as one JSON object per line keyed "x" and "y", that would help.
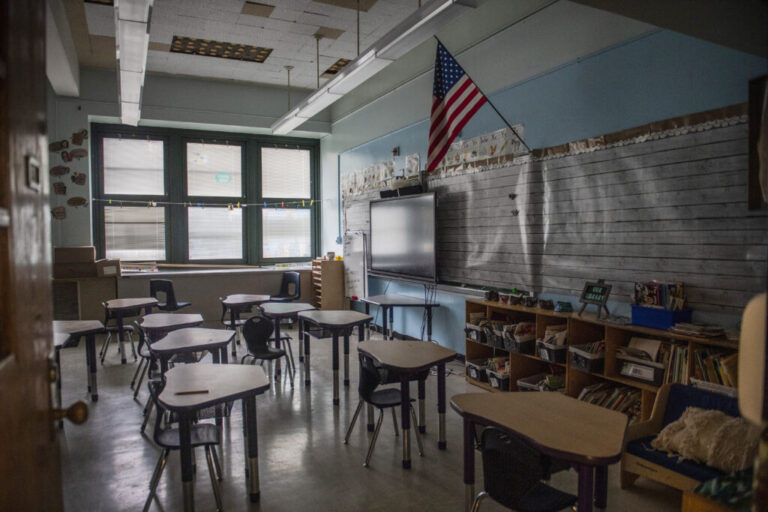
{"x": 335, "y": 68}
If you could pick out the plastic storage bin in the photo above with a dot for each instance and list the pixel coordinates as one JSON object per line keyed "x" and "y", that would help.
{"x": 494, "y": 334}
{"x": 532, "y": 383}
{"x": 642, "y": 371}
{"x": 552, "y": 353}
{"x": 498, "y": 380}
{"x": 587, "y": 361}
{"x": 476, "y": 369}
{"x": 658, "y": 318}
{"x": 520, "y": 347}
{"x": 475, "y": 333}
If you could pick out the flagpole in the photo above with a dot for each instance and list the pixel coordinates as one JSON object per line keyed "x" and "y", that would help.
{"x": 487, "y": 99}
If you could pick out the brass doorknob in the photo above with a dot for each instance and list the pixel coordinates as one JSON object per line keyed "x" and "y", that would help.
{"x": 77, "y": 413}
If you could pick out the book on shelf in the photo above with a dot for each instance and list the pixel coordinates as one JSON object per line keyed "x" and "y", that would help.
{"x": 711, "y": 365}
{"x": 617, "y": 398}
{"x": 698, "y": 330}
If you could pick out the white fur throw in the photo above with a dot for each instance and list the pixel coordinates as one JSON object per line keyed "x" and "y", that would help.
{"x": 710, "y": 437}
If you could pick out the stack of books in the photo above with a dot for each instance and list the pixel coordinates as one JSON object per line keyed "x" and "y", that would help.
{"x": 616, "y": 398}
{"x": 700, "y": 331}
{"x": 716, "y": 367}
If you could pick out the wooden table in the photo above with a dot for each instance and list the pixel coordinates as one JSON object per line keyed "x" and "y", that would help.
{"x": 390, "y": 302}
{"x": 339, "y": 323}
{"x": 588, "y": 436}
{"x": 118, "y": 307}
{"x": 215, "y": 384}
{"x": 237, "y": 303}
{"x": 157, "y": 325}
{"x": 279, "y": 310}
{"x": 77, "y": 328}
{"x": 408, "y": 358}
{"x": 192, "y": 339}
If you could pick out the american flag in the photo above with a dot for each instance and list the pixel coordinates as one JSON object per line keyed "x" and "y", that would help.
{"x": 455, "y": 99}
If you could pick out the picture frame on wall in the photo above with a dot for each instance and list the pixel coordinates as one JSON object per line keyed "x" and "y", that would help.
{"x": 757, "y": 181}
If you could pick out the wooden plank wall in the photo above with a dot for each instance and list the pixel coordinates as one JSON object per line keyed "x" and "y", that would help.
{"x": 668, "y": 209}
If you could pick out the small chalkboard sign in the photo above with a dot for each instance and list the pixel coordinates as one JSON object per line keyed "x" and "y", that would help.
{"x": 597, "y": 294}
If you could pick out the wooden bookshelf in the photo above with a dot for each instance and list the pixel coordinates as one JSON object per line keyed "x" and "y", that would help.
{"x": 328, "y": 284}
{"x": 580, "y": 330}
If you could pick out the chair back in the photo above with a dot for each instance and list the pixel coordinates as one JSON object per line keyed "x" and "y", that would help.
{"x": 511, "y": 467}
{"x": 164, "y": 286}
{"x": 290, "y": 280}
{"x": 371, "y": 376}
{"x": 256, "y": 332}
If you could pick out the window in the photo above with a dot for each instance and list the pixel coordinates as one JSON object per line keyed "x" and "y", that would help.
{"x": 182, "y": 196}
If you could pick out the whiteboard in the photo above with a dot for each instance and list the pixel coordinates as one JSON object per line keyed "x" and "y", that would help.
{"x": 355, "y": 251}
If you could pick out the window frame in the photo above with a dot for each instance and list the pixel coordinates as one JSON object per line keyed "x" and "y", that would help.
{"x": 175, "y": 181}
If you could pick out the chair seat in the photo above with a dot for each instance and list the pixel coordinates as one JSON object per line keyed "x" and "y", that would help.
{"x": 164, "y": 306}
{"x": 238, "y": 323}
{"x": 642, "y": 448}
{"x": 386, "y": 397}
{"x": 201, "y": 434}
{"x": 144, "y": 351}
{"x": 113, "y": 328}
{"x": 543, "y": 498}
{"x": 270, "y": 354}
{"x": 274, "y": 298}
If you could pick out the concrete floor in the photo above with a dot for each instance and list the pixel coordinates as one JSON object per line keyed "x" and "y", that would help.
{"x": 304, "y": 464}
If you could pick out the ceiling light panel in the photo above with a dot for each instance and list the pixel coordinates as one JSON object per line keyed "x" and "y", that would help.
{"x": 132, "y": 41}
{"x": 221, "y": 49}
{"x": 334, "y": 69}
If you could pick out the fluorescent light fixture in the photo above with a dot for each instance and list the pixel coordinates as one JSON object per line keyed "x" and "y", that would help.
{"x": 132, "y": 38}
{"x": 414, "y": 30}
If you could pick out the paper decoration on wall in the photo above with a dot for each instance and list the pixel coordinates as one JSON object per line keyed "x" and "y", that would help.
{"x": 59, "y": 170}
{"x": 79, "y": 137}
{"x": 77, "y": 201}
{"x": 479, "y": 153}
{"x": 412, "y": 165}
{"x": 66, "y": 156}
{"x": 59, "y": 188}
{"x": 58, "y": 145}
{"x": 78, "y": 178}
{"x": 373, "y": 177}
{"x": 78, "y": 153}
{"x": 59, "y": 213}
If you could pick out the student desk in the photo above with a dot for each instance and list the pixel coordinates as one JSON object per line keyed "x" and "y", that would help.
{"x": 157, "y": 325}
{"x": 238, "y": 303}
{"x": 279, "y": 310}
{"x": 390, "y": 302}
{"x": 192, "y": 339}
{"x": 408, "y": 358}
{"x": 191, "y": 387}
{"x": 117, "y": 309}
{"x": 338, "y": 322}
{"x": 588, "y": 436}
{"x": 77, "y": 328}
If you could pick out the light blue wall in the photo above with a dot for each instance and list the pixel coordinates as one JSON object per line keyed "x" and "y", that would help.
{"x": 657, "y": 76}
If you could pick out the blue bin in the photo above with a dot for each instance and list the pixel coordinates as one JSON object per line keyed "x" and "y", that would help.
{"x": 658, "y": 318}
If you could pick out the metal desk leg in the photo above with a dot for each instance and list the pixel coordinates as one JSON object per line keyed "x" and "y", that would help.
{"x": 429, "y": 323}
{"x": 384, "y": 329}
{"x": 601, "y": 487}
{"x": 57, "y": 360}
{"x": 441, "y": 442}
{"x": 223, "y": 356}
{"x": 306, "y": 358}
{"x": 422, "y": 397}
{"x": 301, "y": 339}
{"x": 469, "y": 465}
{"x": 368, "y": 312}
{"x": 120, "y": 335}
{"x": 276, "y": 322}
{"x": 187, "y": 472}
{"x": 586, "y": 486}
{"x": 346, "y": 358}
{"x": 335, "y": 357}
{"x": 233, "y": 323}
{"x": 405, "y": 418}
{"x": 90, "y": 349}
{"x": 249, "y": 406}
{"x": 391, "y": 323}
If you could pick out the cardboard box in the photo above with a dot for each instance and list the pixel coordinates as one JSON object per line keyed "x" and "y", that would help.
{"x": 108, "y": 268}
{"x": 70, "y": 270}
{"x": 84, "y": 254}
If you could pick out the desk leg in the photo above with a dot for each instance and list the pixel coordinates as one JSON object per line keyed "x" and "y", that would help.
{"x": 223, "y": 356}
{"x": 391, "y": 323}
{"x": 601, "y": 487}
{"x": 306, "y": 358}
{"x": 384, "y": 330}
{"x": 233, "y": 323}
{"x": 429, "y": 324}
{"x": 346, "y": 358}
{"x": 335, "y": 357}
{"x": 57, "y": 355}
{"x": 187, "y": 472}
{"x": 586, "y": 486}
{"x": 469, "y": 465}
{"x": 301, "y": 339}
{"x": 422, "y": 412}
{"x": 405, "y": 419}
{"x": 277, "y": 346}
{"x": 368, "y": 312}
{"x": 120, "y": 335}
{"x": 249, "y": 406}
{"x": 90, "y": 350}
{"x": 441, "y": 442}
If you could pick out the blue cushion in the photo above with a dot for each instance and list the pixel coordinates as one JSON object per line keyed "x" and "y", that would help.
{"x": 643, "y": 449}
{"x": 682, "y": 397}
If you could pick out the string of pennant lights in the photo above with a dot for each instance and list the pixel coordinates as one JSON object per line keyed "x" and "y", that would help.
{"x": 303, "y": 203}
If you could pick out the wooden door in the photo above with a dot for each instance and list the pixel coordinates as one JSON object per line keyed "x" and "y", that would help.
{"x": 29, "y": 453}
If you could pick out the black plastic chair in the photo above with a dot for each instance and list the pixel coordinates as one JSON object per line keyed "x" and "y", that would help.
{"x": 165, "y": 286}
{"x": 202, "y": 434}
{"x": 112, "y": 330}
{"x": 285, "y": 295}
{"x": 371, "y": 376}
{"x": 256, "y": 333}
{"x": 512, "y": 474}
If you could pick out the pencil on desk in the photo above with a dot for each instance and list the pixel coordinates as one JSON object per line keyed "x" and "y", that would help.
{"x": 195, "y": 392}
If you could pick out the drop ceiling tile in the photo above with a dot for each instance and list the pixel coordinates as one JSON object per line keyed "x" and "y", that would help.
{"x": 100, "y": 20}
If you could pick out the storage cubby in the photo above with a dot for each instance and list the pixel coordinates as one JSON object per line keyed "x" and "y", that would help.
{"x": 587, "y": 329}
